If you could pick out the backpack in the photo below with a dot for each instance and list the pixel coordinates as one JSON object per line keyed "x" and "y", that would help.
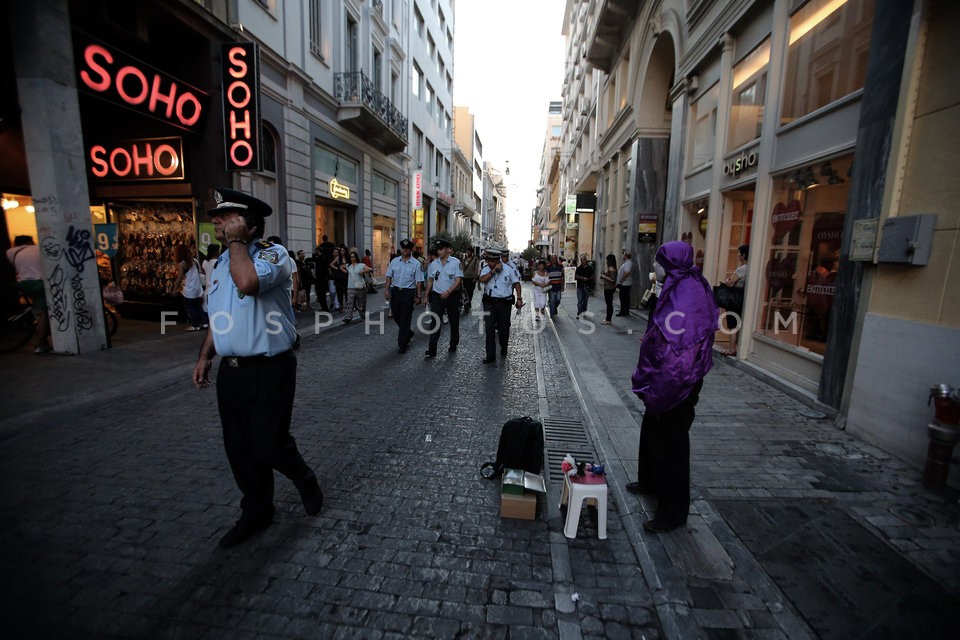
{"x": 520, "y": 447}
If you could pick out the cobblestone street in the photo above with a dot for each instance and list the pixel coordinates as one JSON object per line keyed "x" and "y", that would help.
{"x": 116, "y": 490}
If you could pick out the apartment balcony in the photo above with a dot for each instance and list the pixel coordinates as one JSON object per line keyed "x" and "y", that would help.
{"x": 366, "y": 111}
{"x": 613, "y": 23}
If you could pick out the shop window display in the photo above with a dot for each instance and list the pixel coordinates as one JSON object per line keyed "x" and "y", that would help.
{"x": 149, "y": 233}
{"x": 703, "y": 115}
{"x": 827, "y": 59}
{"x": 749, "y": 91}
{"x": 801, "y": 263}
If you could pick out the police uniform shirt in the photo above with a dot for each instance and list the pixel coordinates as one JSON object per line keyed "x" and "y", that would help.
{"x": 405, "y": 274}
{"x": 444, "y": 274}
{"x": 511, "y": 266}
{"x": 261, "y": 324}
{"x": 501, "y": 284}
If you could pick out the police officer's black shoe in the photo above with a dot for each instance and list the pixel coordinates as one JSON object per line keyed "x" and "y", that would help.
{"x": 430, "y": 354}
{"x": 311, "y": 495}
{"x": 488, "y": 360}
{"x": 402, "y": 348}
{"x": 452, "y": 348}
{"x": 244, "y": 529}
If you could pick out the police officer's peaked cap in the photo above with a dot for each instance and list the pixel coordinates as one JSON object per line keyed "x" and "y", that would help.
{"x": 493, "y": 250}
{"x": 232, "y": 200}
{"x": 406, "y": 244}
{"x": 440, "y": 243}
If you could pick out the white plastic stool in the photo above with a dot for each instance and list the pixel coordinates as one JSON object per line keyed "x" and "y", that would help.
{"x": 573, "y": 494}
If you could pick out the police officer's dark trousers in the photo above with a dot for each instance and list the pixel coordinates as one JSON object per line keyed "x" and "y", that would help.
{"x": 496, "y": 323}
{"x": 663, "y": 464}
{"x": 255, "y": 398}
{"x": 439, "y": 306}
{"x": 401, "y": 306}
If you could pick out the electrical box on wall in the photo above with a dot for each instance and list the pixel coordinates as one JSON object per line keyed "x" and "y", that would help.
{"x": 907, "y": 239}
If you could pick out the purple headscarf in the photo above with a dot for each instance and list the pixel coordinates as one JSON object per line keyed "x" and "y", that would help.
{"x": 677, "y": 349}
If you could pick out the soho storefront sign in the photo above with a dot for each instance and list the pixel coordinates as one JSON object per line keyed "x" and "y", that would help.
{"x": 339, "y": 190}
{"x": 741, "y": 163}
{"x": 241, "y": 106}
{"x": 114, "y": 76}
{"x": 153, "y": 159}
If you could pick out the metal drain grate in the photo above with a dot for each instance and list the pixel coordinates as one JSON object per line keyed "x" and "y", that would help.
{"x": 561, "y": 437}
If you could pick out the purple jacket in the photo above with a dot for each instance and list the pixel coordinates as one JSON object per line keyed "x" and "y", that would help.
{"x": 677, "y": 349}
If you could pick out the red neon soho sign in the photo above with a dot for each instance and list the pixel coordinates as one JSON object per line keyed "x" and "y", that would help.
{"x": 241, "y": 106}
{"x": 122, "y": 79}
{"x": 155, "y": 159}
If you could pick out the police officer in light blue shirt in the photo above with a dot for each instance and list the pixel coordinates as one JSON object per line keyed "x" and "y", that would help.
{"x": 501, "y": 290}
{"x": 252, "y": 328}
{"x": 444, "y": 276}
{"x": 402, "y": 287}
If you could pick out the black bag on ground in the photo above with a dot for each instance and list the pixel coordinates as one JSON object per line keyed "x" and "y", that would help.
{"x": 520, "y": 447}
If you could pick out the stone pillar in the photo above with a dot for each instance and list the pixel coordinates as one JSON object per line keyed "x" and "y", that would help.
{"x": 650, "y": 171}
{"x": 878, "y": 112}
{"x": 50, "y": 117}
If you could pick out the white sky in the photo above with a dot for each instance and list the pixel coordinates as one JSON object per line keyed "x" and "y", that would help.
{"x": 508, "y": 66}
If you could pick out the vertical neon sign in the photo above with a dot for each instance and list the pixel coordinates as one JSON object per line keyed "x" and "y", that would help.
{"x": 241, "y": 106}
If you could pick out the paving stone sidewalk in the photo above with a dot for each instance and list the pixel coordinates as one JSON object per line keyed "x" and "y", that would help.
{"x": 797, "y": 529}
{"x": 116, "y": 489}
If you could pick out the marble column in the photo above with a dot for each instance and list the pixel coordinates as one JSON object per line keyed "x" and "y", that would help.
{"x": 52, "y": 134}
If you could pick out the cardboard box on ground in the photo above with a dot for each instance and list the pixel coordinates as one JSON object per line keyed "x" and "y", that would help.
{"x": 518, "y": 496}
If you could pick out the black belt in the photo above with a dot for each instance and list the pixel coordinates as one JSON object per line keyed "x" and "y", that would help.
{"x": 508, "y": 299}
{"x": 246, "y": 361}
{"x": 403, "y": 288}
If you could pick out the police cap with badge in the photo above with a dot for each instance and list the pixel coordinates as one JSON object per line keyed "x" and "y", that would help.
{"x": 406, "y": 244}
{"x": 252, "y": 209}
{"x": 492, "y": 251}
{"x": 442, "y": 243}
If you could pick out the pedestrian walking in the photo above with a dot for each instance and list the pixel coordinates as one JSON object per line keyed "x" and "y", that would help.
{"x": 321, "y": 277}
{"x": 190, "y": 287}
{"x": 675, "y": 355}
{"x": 402, "y": 287}
{"x": 206, "y": 268}
{"x": 338, "y": 276}
{"x": 584, "y": 279}
{"x": 609, "y": 278}
{"x": 625, "y": 282}
{"x": 556, "y": 273}
{"x": 356, "y": 287}
{"x": 24, "y": 255}
{"x": 471, "y": 270}
{"x": 254, "y": 333}
{"x": 541, "y": 288}
{"x": 501, "y": 291}
{"x": 444, "y": 275}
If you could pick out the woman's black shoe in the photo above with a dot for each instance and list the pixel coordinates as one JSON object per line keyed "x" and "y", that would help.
{"x": 639, "y": 489}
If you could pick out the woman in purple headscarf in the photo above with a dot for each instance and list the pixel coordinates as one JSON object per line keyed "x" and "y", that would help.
{"x": 675, "y": 355}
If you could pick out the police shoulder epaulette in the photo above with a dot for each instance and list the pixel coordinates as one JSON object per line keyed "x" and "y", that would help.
{"x": 263, "y": 244}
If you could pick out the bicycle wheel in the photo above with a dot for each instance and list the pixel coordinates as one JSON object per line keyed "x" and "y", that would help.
{"x": 16, "y": 331}
{"x": 110, "y": 322}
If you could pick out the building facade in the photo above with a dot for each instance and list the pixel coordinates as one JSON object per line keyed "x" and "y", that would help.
{"x": 783, "y": 125}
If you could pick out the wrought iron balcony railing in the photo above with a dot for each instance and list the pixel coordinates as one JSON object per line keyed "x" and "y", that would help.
{"x": 354, "y": 86}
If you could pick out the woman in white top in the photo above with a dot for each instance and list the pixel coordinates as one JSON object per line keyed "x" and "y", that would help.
{"x": 737, "y": 280}
{"x": 356, "y": 287}
{"x": 541, "y": 285}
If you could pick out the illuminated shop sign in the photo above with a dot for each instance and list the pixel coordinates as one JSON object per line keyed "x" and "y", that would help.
{"x": 417, "y": 185}
{"x": 241, "y": 106}
{"x": 114, "y": 76}
{"x": 741, "y": 163}
{"x": 339, "y": 190}
{"x": 153, "y": 159}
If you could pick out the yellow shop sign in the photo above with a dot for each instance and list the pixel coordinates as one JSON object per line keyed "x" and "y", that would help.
{"x": 338, "y": 190}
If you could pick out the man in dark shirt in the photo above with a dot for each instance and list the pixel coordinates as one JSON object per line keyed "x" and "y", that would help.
{"x": 555, "y": 271}
{"x": 584, "y": 278}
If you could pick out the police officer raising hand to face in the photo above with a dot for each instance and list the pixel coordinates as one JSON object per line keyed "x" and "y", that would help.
{"x": 252, "y": 328}
{"x": 501, "y": 290}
